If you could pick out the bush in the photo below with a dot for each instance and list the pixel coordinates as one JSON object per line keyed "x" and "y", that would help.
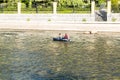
{"x": 23, "y": 5}
{"x": 70, "y": 9}
{"x": 28, "y": 19}
{"x": 114, "y": 19}
{"x": 49, "y": 20}
{"x": 84, "y": 20}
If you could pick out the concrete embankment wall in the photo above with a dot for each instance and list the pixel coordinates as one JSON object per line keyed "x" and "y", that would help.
{"x": 47, "y": 17}
{"x": 34, "y": 22}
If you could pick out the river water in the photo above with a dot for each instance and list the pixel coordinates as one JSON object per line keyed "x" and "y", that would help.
{"x": 32, "y": 55}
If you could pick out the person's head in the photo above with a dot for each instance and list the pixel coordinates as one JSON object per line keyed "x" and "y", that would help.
{"x": 59, "y": 33}
{"x": 65, "y": 33}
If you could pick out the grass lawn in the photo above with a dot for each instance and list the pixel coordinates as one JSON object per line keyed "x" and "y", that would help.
{"x": 44, "y": 11}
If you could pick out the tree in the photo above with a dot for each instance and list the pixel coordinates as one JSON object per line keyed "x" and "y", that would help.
{"x": 26, "y": 2}
{"x": 115, "y": 7}
{"x": 71, "y": 2}
{"x": 101, "y": 1}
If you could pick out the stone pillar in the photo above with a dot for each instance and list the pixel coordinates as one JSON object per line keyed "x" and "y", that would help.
{"x": 19, "y": 7}
{"x": 92, "y": 7}
{"x": 108, "y": 7}
{"x": 54, "y": 7}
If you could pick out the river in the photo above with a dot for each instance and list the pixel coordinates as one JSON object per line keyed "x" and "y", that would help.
{"x": 33, "y": 55}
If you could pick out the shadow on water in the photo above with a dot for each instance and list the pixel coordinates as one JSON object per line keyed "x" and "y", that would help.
{"x": 58, "y": 77}
{"x": 34, "y": 56}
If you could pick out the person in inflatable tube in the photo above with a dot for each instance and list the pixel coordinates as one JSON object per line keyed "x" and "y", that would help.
{"x": 66, "y": 36}
{"x": 60, "y": 36}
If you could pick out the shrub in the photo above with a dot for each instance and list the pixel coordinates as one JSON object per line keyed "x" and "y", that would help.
{"x": 28, "y": 19}
{"x": 84, "y": 20}
{"x": 49, "y": 20}
{"x": 114, "y": 19}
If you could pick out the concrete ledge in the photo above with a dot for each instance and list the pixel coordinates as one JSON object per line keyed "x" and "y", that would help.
{"x": 93, "y": 27}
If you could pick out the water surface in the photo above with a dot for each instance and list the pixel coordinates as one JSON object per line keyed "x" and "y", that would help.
{"x": 32, "y": 55}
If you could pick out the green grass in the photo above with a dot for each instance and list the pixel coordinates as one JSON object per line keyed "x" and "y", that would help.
{"x": 44, "y": 11}
{"x": 8, "y": 12}
{"x": 80, "y": 12}
{"x": 34, "y": 12}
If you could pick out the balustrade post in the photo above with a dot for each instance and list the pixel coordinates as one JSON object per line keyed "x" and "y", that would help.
{"x": 19, "y": 7}
{"x": 54, "y": 7}
{"x": 93, "y": 7}
{"x": 108, "y": 7}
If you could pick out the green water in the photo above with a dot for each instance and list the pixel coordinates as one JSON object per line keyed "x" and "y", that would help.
{"x": 32, "y": 55}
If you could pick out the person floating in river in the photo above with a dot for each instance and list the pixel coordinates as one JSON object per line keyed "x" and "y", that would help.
{"x": 60, "y": 36}
{"x": 65, "y": 36}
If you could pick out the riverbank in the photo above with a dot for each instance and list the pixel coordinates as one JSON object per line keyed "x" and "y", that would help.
{"x": 93, "y": 27}
{"x": 76, "y": 22}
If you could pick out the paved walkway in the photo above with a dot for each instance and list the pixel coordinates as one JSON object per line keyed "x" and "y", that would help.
{"x": 93, "y": 27}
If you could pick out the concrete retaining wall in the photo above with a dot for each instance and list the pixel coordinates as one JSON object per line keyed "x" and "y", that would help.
{"x": 47, "y": 17}
{"x": 56, "y": 22}
{"x": 56, "y": 17}
{"x": 113, "y": 17}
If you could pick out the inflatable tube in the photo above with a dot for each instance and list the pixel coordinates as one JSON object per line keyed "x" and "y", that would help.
{"x": 58, "y": 39}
